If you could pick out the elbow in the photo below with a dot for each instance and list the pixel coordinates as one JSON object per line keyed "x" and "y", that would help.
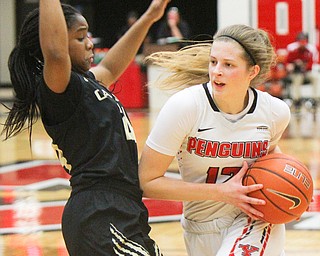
{"x": 144, "y": 186}
{"x": 148, "y": 185}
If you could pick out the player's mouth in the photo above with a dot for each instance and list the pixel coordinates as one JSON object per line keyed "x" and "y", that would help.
{"x": 91, "y": 59}
{"x": 219, "y": 84}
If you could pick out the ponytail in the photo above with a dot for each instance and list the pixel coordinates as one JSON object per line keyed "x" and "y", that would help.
{"x": 24, "y": 106}
{"x": 24, "y": 71}
{"x": 186, "y": 67}
{"x": 25, "y": 65}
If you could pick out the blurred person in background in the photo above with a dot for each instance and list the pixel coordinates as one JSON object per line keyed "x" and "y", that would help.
{"x": 173, "y": 28}
{"x": 301, "y": 55}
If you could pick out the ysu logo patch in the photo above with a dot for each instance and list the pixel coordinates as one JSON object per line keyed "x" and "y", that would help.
{"x": 247, "y": 249}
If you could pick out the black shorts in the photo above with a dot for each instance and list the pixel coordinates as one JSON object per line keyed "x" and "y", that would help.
{"x": 104, "y": 222}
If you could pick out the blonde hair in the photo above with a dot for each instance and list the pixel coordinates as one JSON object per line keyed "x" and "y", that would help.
{"x": 189, "y": 65}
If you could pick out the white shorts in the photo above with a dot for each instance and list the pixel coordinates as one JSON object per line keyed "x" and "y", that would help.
{"x": 235, "y": 234}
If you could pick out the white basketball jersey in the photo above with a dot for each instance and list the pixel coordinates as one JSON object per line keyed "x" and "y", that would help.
{"x": 210, "y": 147}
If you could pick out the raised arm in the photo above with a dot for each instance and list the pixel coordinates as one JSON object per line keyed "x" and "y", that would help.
{"x": 54, "y": 45}
{"x": 123, "y": 52}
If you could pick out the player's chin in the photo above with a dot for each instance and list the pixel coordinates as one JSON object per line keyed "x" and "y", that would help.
{"x": 88, "y": 66}
{"x": 85, "y": 68}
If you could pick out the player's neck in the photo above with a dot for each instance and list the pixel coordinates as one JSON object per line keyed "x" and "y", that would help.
{"x": 232, "y": 105}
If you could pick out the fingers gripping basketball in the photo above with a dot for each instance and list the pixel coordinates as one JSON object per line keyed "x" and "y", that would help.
{"x": 287, "y": 187}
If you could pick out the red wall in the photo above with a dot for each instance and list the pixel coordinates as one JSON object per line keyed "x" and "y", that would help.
{"x": 318, "y": 24}
{"x": 267, "y": 20}
{"x": 318, "y": 14}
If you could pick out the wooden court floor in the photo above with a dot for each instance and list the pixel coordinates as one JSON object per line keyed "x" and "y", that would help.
{"x": 302, "y": 139}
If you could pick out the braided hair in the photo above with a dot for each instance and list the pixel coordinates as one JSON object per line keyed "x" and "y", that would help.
{"x": 25, "y": 66}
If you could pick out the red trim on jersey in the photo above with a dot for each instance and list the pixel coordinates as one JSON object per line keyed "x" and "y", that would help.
{"x": 266, "y": 239}
{"x": 245, "y": 232}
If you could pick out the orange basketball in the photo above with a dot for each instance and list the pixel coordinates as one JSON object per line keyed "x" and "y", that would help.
{"x": 287, "y": 187}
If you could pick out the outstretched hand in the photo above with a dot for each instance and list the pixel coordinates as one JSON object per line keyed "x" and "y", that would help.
{"x": 237, "y": 194}
{"x": 156, "y": 9}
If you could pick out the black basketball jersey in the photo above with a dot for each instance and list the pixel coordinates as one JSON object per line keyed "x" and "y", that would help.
{"x": 91, "y": 132}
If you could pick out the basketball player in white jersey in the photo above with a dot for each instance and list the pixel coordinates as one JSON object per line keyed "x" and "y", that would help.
{"x": 217, "y": 127}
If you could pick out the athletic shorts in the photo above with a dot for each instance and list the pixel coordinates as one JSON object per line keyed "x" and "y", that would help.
{"x": 104, "y": 222}
{"x": 235, "y": 234}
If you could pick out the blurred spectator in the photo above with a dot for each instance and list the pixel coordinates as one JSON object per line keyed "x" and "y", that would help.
{"x": 132, "y": 17}
{"x": 300, "y": 59}
{"x": 173, "y": 28}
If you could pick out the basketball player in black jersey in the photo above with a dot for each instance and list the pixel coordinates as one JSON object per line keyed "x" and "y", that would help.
{"x": 51, "y": 72}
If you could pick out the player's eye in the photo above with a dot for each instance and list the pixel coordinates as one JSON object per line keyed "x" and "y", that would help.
{"x": 214, "y": 62}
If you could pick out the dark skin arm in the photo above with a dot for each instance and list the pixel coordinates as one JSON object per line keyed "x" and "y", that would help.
{"x": 54, "y": 45}
{"x": 122, "y": 53}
